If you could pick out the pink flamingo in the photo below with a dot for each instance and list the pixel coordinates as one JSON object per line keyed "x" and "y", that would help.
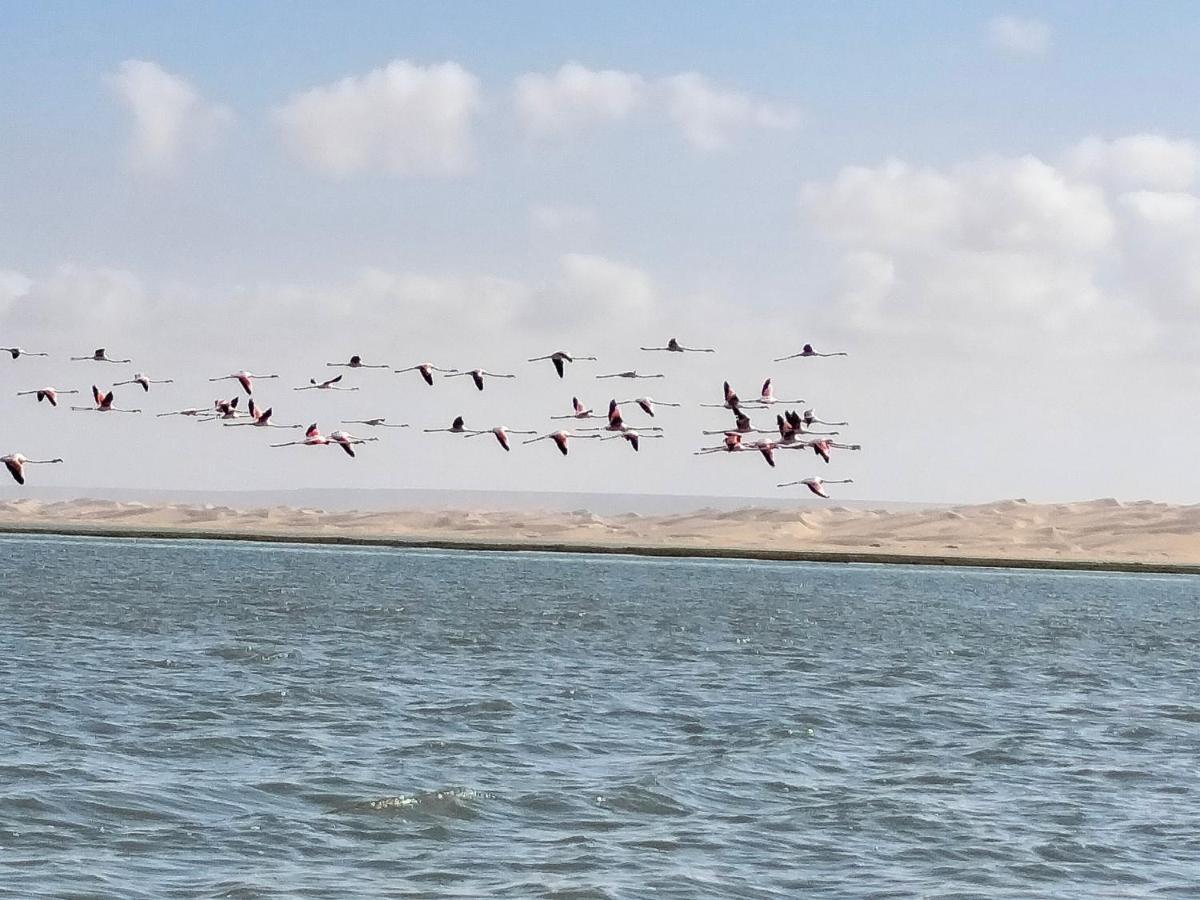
{"x": 560, "y": 439}
{"x": 99, "y": 355}
{"x": 811, "y": 419}
{"x": 456, "y": 427}
{"x": 581, "y": 411}
{"x": 616, "y": 422}
{"x": 312, "y": 438}
{"x": 809, "y": 351}
{"x": 631, "y": 437}
{"x": 144, "y": 380}
{"x": 374, "y": 423}
{"x": 259, "y": 418}
{"x": 16, "y": 464}
{"x": 346, "y": 441}
{"x": 426, "y": 370}
{"x": 244, "y": 378}
{"x": 329, "y": 384}
{"x": 767, "y": 396}
{"x": 357, "y": 363}
{"x": 49, "y": 394}
{"x": 822, "y": 446}
{"x": 501, "y": 433}
{"x": 18, "y": 352}
{"x": 103, "y": 403}
{"x": 817, "y": 485}
{"x": 477, "y": 376}
{"x": 648, "y": 403}
{"x": 731, "y": 400}
{"x": 629, "y": 374}
{"x": 673, "y": 346}
{"x": 190, "y": 411}
{"x": 560, "y": 358}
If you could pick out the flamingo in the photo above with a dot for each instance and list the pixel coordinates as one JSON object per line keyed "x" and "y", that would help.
{"x": 560, "y": 358}
{"x": 47, "y": 393}
{"x": 456, "y": 427}
{"x": 631, "y": 437}
{"x": 817, "y": 485}
{"x": 16, "y": 464}
{"x": 144, "y": 380}
{"x": 731, "y": 400}
{"x": 18, "y": 352}
{"x": 374, "y": 423}
{"x": 329, "y": 384}
{"x": 357, "y": 363}
{"x": 648, "y": 403}
{"x": 99, "y": 355}
{"x": 616, "y": 422}
{"x": 822, "y": 446}
{"x": 560, "y": 439}
{"x": 731, "y": 444}
{"x": 190, "y": 411}
{"x": 741, "y": 426}
{"x": 630, "y": 374}
{"x": 426, "y": 370}
{"x": 809, "y": 351}
{"x": 501, "y": 432}
{"x": 346, "y": 441}
{"x": 673, "y": 346}
{"x": 103, "y": 403}
{"x": 581, "y": 411}
{"x": 767, "y": 396}
{"x": 244, "y": 378}
{"x": 259, "y": 418}
{"x": 312, "y": 438}
{"x": 811, "y": 419}
{"x": 477, "y": 376}
{"x": 791, "y": 424}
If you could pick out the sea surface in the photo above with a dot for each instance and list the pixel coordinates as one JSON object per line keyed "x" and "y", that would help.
{"x": 214, "y": 719}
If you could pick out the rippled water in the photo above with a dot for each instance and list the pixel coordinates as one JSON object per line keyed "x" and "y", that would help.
{"x": 196, "y": 719}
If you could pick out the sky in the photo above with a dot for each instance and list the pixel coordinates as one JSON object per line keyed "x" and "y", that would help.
{"x": 994, "y": 209}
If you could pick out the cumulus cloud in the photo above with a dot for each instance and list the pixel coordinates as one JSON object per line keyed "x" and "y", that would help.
{"x": 706, "y": 114}
{"x": 170, "y": 118}
{"x": 574, "y": 96}
{"x": 1024, "y": 37}
{"x": 1018, "y": 250}
{"x": 709, "y": 116}
{"x": 403, "y": 118}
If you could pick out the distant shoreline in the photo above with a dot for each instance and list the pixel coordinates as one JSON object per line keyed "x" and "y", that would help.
{"x": 614, "y": 549}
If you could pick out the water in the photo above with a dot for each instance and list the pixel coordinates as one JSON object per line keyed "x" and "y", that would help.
{"x": 191, "y": 719}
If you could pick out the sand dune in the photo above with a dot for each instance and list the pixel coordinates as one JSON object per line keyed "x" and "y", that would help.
{"x": 1105, "y": 530}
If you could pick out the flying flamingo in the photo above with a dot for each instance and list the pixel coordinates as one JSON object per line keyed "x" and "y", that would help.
{"x": 648, "y": 403}
{"x": 312, "y": 438}
{"x": 809, "y": 351}
{"x": 190, "y": 411}
{"x": 103, "y": 403}
{"x": 581, "y": 411}
{"x": 560, "y": 358}
{"x": 501, "y": 432}
{"x": 560, "y": 439}
{"x": 673, "y": 346}
{"x": 374, "y": 423}
{"x": 630, "y": 374}
{"x": 144, "y": 380}
{"x": 259, "y": 418}
{"x": 817, "y": 485}
{"x": 767, "y": 396}
{"x": 477, "y": 376}
{"x": 357, "y": 363}
{"x": 244, "y": 378}
{"x": 99, "y": 356}
{"x": 346, "y": 441}
{"x": 811, "y": 419}
{"x": 18, "y": 352}
{"x": 822, "y": 446}
{"x": 731, "y": 444}
{"x": 631, "y": 437}
{"x": 741, "y": 426}
{"x": 16, "y": 464}
{"x": 791, "y": 425}
{"x": 47, "y": 393}
{"x": 329, "y": 384}
{"x": 426, "y": 370}
{"x": 456, "y": 427}
{"x": 616, "y": 422}
{"x": 731, "y": 400}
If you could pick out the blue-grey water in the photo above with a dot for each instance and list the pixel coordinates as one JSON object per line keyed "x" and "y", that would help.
{"x": 209, "y": 719}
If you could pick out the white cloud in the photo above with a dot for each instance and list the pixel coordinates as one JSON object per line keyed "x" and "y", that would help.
{"x": 1024, "y": 37}
{"x": 574, "y": 96}
{"x": 709, "y": 115}
{"x": 170, "y": 118}
{"x": 1138, "y": 161}
{"x": 403, "y": 118}
{"x": 1019, "y": 251}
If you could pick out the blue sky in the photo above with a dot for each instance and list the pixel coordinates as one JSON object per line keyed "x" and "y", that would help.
{"x": 999, "y": 230}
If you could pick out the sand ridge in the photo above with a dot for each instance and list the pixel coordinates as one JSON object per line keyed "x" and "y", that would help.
{"x": 1097, "y": 530}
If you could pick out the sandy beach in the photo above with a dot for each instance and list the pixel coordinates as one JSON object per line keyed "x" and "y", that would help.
{"x": 1098, "y": 533}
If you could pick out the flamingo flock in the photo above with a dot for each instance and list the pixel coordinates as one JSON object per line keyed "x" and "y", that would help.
{"x": 792, "y": 429}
